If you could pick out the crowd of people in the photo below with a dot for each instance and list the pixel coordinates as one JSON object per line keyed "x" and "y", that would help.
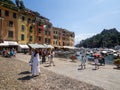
{"x": 8, "y": 52}
{"x": 40, "y": 56}
{"x": 99, "y": 60}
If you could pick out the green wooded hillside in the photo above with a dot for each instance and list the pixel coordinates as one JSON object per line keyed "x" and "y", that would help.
{"x": 107, "y": 38}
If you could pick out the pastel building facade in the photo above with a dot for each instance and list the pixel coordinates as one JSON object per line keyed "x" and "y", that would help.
{"x": 62, "y": 37}
{"x": 8, "y": 24}
{"x": 25, "y": 26}
{"x": 43, "y": 31}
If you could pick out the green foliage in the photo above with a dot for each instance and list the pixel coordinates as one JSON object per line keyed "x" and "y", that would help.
{"x": 8, "y": 1}
{"x": 9, "y": 4}
{"x": 107, "y": 38}
{"x": 117, "y": 62}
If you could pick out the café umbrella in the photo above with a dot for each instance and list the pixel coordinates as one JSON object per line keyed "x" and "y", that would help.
{"x": 96, "y": 54}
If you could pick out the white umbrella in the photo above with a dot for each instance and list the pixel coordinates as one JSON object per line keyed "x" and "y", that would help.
{"x": 104, "y": 51}
{"x": 36, "y": 45}
{"x": 48, "y": 46}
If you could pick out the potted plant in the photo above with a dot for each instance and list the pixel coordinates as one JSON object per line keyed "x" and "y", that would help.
{"x": 73, "y": 58}
{"x": 117, "y": 62}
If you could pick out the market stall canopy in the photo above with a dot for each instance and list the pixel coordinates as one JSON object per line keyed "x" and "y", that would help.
{"x": 48, "y": 46}
{"x": 24, "y": 46}
{"x": 36, "y": 46}
{"x": 11, "y": 43}
{"x": 58, "y": 46}
{"x": 4, "y": 44}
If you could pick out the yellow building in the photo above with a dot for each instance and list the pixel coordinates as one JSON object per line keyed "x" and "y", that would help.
{"x": 67, "y": 38}
{"x": 56, "y": 37}
{"x": 71, "y": 38}
{"x": 26, "y": 27}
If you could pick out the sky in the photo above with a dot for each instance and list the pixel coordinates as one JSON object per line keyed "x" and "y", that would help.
{"x": 83, "y": 17}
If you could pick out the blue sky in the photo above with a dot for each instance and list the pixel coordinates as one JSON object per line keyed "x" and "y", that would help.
{"x": 84, "y": 17}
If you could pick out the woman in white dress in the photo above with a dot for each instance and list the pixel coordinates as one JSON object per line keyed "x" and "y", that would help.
{"x": 36, "y": 64}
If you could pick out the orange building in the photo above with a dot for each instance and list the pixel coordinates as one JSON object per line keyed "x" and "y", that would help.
{"x": 62, "y": 37}
{"x": 43, "y": 34}
{"x": 8, "y": 22}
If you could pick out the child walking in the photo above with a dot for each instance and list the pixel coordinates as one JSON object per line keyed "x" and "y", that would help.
{"x": 52, "y": 58}
{"x": 96, "y": 62}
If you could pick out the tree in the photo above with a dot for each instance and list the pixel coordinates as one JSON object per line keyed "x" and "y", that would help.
{"x": 107, "y": 38}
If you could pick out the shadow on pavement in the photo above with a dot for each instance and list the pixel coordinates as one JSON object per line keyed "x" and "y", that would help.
{"x": 95, "y": 69}
{"x": 25, "y": 78}
{"x": 47, "y": 66}
{"x": 25, "y": 72}
{"x": 118, "y": 68}
{"x": 80, "y": 69}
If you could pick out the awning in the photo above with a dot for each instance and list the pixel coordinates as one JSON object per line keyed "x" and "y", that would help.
{"x": 48, "y": 46}
{"x": 58, "y": 46}
{"x": 11, "y": 43}
{"x": 4, "y": 44}
{"x": 24, "y": 46}
{"x": 36, "y": 46}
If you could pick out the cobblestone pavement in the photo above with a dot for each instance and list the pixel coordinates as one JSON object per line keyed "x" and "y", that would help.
{"x": 106, "y": 77}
